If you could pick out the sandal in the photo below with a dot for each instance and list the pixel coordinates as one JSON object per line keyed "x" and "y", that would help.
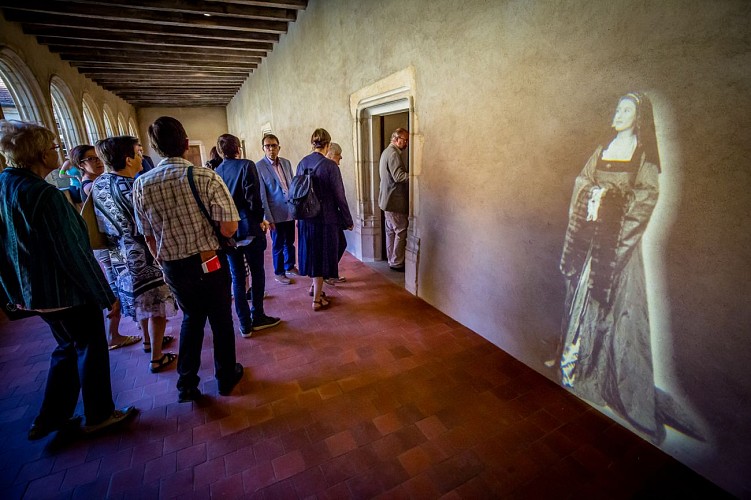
{"x": 158, "y": 365}
{"x": 310, "y": 292}
{"x": 167, "y": 340}
{"x": 129, "y": 340}
{"x": 320, "y": 303}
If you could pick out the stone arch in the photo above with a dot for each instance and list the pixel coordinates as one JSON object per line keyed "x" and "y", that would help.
{"x": 110, "y": 127}
{"x": 92, "y": 119}
{"x": 67, "y": 115}
{"x": 24, "y": 88}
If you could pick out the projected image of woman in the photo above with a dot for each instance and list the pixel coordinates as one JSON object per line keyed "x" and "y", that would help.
{"x": 606, "y": 355}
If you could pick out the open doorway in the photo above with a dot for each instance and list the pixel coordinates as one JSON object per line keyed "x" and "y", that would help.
{"x": 377, "y": 121}
{"x": 389, "y": 123}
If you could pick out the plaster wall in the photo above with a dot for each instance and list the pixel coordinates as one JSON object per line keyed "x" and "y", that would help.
{"x": 202, "y": 125}
{"x": 44, "y": 65}
{"x": 510, "y": 99}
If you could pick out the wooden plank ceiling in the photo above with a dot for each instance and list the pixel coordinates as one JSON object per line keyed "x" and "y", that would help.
{"x": 159, "y": 52}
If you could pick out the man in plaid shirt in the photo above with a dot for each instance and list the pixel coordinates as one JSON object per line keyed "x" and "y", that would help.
{"x": 183, "y": 241}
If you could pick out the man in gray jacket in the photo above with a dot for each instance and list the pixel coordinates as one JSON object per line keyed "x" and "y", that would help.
{"x": 394, "y": 197}
{"x": 276, "y": 174}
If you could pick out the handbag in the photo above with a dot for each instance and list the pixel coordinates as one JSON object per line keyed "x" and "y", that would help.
{"x": 224, "y": 241}
{"x": 97, "y": 238}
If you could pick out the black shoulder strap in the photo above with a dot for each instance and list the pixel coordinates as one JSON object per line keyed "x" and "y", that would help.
{"x": 193, "y": 189}
{"x": 214, "y": 225}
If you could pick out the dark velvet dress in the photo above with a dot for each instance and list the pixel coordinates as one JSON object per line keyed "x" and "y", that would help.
{"x": 607, "y": 353}
{"x": 318, "y": 245}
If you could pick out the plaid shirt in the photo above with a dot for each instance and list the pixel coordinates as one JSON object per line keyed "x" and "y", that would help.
{"x": 166, "y": 209}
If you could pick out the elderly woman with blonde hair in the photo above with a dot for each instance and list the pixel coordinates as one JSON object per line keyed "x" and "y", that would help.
{"x": 48, "y": 268}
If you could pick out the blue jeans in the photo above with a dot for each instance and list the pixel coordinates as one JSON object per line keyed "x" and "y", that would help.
{"x": 80, "y": 362}
{"x": 202, "y": 296}
{"x": 283, "y": 246}
{"x": 253, "y": 254}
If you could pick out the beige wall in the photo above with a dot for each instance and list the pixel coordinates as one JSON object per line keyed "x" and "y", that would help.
{"x": 203, "y": 125}
{"x": 44, "y": 65}
{"x": 510, "y": 98}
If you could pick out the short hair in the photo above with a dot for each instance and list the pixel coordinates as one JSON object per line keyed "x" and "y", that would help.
{"x": 228, "y": 145}
{"x": 24, "y": 143}
{"x": 335, "y": 148}
{"x": 320, "y": 138}
{"x": 168, "y": 137}
{"x": 399, "y": 132}
{"x": 114, "y": 150}
{"x": 76, "y": 154}
{"x": 269, "y": 136}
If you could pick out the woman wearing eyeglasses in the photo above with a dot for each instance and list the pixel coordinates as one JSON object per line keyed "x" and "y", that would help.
{"x": 47, "y": 266}
{"x": 84, "y": 157}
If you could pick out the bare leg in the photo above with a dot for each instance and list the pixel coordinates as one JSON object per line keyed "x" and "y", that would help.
{"x": 113, "y": 330}
{"x": 157, "y": 326}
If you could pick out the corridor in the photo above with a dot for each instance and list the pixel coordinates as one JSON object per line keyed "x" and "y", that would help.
{"x": 380, "y": 395}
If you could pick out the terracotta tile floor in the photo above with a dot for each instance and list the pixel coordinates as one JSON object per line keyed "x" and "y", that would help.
{"x": 379, "y": 396}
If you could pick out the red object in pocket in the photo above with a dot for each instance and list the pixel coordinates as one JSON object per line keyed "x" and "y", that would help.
{"x": 211, "y": 265}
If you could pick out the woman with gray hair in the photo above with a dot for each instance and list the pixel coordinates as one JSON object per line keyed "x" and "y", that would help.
{"x": 48, "y": 267}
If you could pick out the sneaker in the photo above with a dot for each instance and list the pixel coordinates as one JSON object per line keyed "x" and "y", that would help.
{"x": 116, "y": 417}
{"x": 283, "y": 279}
{"x": 261, "y": 322}
{"x": 330, "y": 281}
{"x": 187, "y": 395}
{"x": 293, "y": 271}
{"x": 225, "y": 389}
{"x": 246, "y": 334}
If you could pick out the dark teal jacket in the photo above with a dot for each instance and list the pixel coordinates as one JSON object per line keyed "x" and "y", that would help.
{"x": 47, "y": 261}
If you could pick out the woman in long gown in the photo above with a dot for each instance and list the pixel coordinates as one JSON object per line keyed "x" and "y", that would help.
{"x": 319, "y": 236}
{"x": 606, "y": 353}
{"x": 143, "y": 293}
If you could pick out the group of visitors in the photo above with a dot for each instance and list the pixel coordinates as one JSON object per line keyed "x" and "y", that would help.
{"x": 178, "y": 235}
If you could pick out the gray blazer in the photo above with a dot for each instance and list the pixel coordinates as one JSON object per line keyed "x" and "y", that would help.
{"x": 274, "y": 198}
{"x": 394, "y": 195}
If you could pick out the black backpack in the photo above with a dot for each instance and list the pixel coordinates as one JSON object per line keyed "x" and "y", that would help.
{"x": 304, "y": 203}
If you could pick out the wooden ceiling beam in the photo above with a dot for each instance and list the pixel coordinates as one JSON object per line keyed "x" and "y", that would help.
{"x": 101, "y": 39}
{"x": 97, "y": 13}
{"x": 182, "y": 65}
{"x": 250, "y": 62}
{"x": 50, "y": 25}
{"x": 279, "y": 4}
{"x": 222, "y": 9}
{"x": 164, "y": 53}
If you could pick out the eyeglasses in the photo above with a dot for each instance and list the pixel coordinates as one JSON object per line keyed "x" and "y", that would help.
{"x": 55, "y": 147}
{"x": 270, "y": 146}
{"x": 91, "y": 159}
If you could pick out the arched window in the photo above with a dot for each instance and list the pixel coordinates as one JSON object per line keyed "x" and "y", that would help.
{"x": 132, "y": 127}
{"x": 66, "y": 112}
{"x": 109, "y": 121}
{"x": 28, "y": 101}
{"x": 91, "y": 120}
{"x": 121, "y": 128}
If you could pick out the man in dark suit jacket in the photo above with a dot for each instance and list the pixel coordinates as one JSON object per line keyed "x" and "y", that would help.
{"x": 242, "y": 181}
{"x": 276, "y": 174}
{"x": 146, "y": 161}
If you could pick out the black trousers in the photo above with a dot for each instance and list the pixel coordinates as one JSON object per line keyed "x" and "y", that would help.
{"x": 80, "y": 363}
{"x": 202, "y": 296}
